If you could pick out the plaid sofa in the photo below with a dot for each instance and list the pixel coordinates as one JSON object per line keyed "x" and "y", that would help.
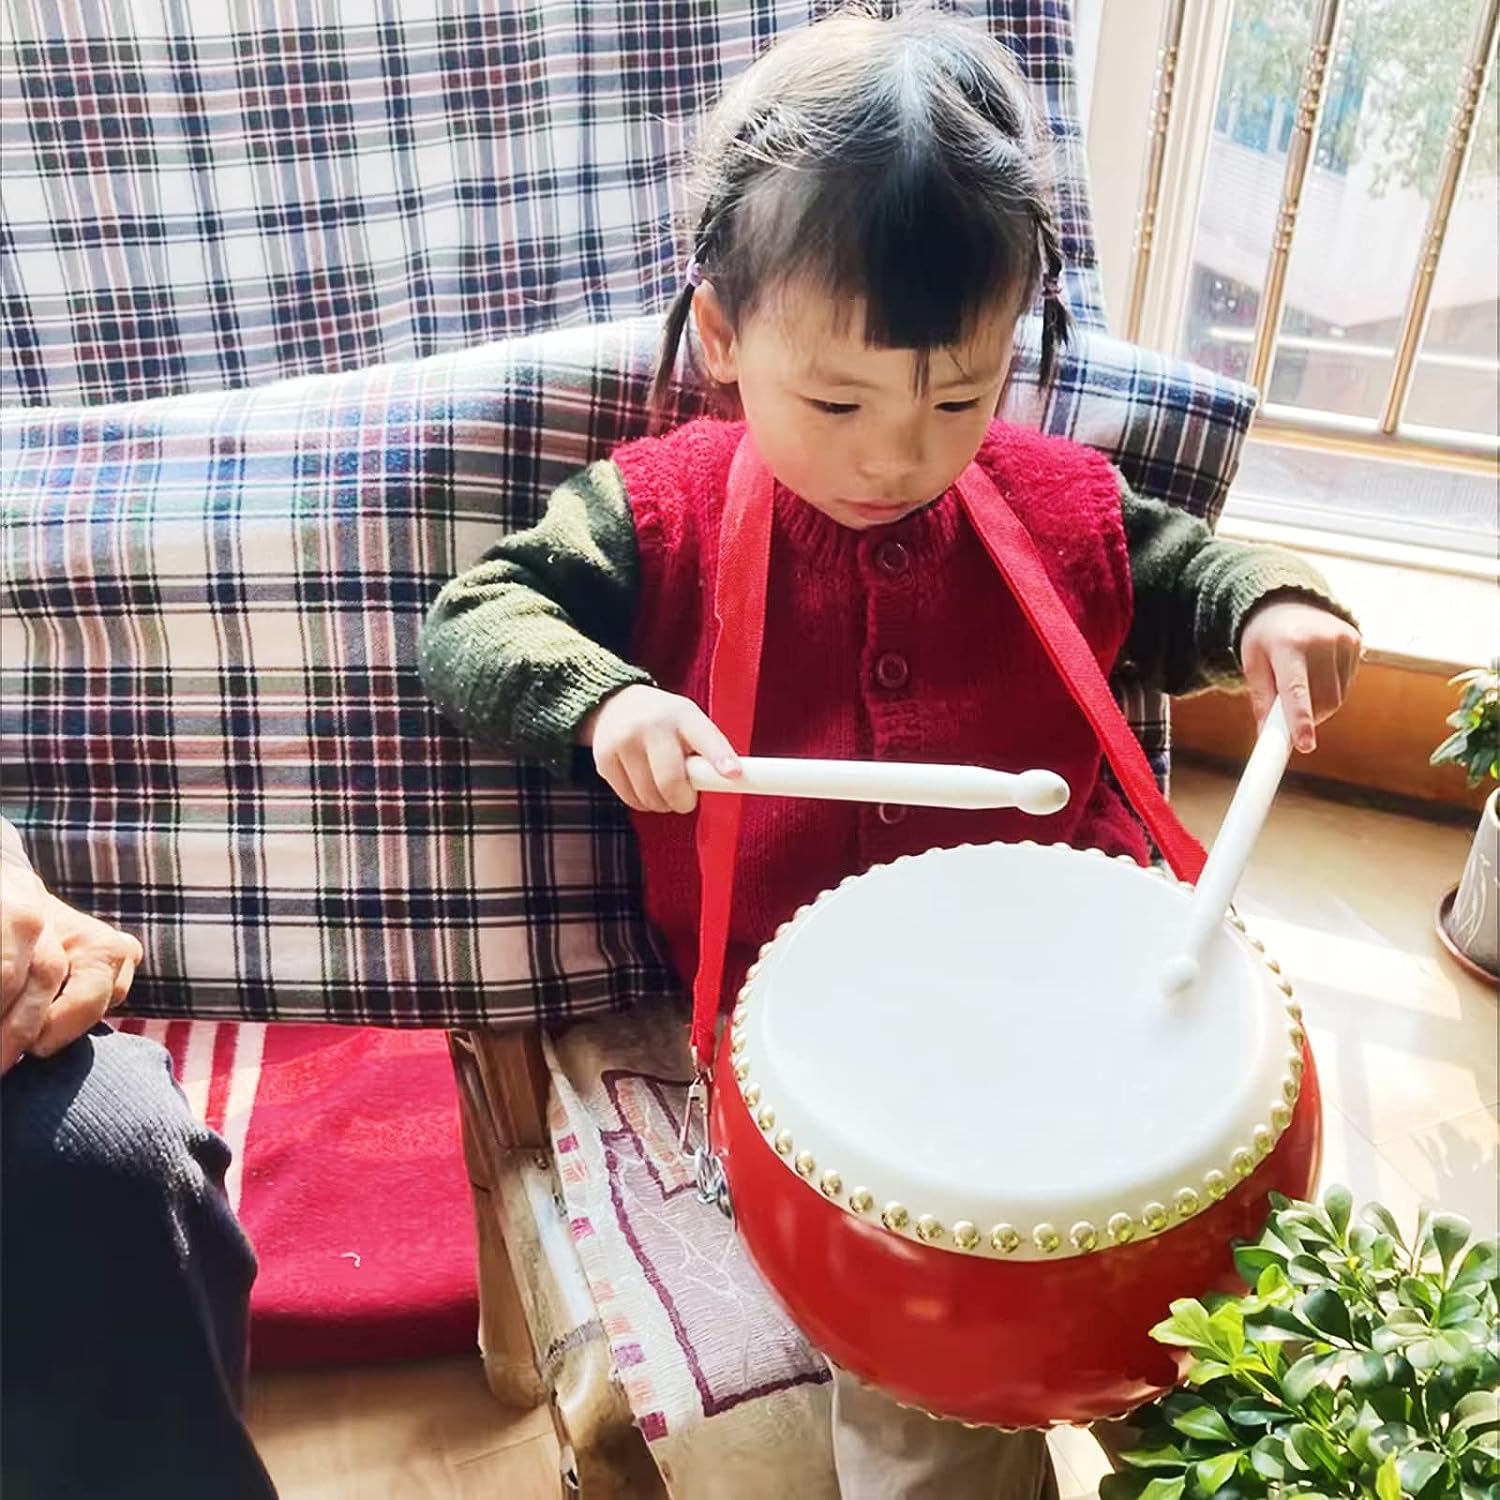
{"x": 210, "y": 722}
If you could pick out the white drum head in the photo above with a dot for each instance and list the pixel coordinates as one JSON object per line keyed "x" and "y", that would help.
{"x": 972, "y": 1046}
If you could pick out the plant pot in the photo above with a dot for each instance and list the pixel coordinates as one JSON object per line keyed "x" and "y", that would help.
{"x": 1469, "y": 920}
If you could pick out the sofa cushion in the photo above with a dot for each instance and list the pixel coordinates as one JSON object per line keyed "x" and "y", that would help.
{"x": 213, "y": 729}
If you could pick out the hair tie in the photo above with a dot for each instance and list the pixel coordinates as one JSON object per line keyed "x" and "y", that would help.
{"x": 1051, "y": 289}
{"x": 694, "y": 272}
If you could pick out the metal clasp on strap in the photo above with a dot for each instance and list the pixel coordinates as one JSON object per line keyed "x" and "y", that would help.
{"x": 708, "y": 1170}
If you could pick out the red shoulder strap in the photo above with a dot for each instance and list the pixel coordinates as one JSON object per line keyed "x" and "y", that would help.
{"x": 740, "y": 621}
{"x": 1010, "y": 545}
{"x": 734, "y": 674}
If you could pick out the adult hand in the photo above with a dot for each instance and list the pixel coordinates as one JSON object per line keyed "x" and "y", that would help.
{"x": 61, "y": 971}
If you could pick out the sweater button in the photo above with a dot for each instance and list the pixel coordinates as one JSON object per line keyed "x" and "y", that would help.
{"x": 892, "y": 559}
{"x": 892, "y": 671}
{"x": 891, "y": 814}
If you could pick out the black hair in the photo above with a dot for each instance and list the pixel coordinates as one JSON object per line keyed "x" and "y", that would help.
{"x": 895, "y": 162}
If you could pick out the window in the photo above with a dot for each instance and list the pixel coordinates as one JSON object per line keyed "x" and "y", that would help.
{"x": 1352, "y": 437}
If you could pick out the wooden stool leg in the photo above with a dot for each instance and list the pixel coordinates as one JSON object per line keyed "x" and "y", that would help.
{"x": 539, "y": 1328}
{"x": 510, "y": 1363}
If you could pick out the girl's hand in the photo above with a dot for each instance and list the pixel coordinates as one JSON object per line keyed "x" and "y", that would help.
{"x": 642, "y": 738}
{"x": 1303, "y": 655}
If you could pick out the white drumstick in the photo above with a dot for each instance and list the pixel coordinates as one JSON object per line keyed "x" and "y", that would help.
{"x": 1038, "y": 792}
{"x": 1231, "y": 851}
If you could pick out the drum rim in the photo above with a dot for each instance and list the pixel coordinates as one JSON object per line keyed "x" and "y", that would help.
{"x": 1003, "y": 1240}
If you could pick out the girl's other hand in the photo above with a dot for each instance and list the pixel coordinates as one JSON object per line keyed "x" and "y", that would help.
{"x": 1305, "y": 656}
{"x": 642, "y": 738}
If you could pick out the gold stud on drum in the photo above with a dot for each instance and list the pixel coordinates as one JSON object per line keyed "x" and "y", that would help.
{"x": 965, "y": 1235}
{"x": 1295, "y": 1064}
{"x": 805, "y": 1164}
{"x": 752, "y": 1095}
{"x": 783, "y": 1143}
{"x": 1281, "y": 1117}
{"x": 766, "y": 1118}
{"x": 1084, "y": 1235}
{"x": 861, "y": 1200}
{"x": 1242, "y": 1164}
{"x": 1260, "y": 1138}
{"x": 1215, "y": 1184}
{"x": 895, "y": 1216}
{"x": 1046, "y": 1238}
{"x": 742, "y": 1070}
{"x": 1121, "y": 1229}
{"x": 1289, "y": 1090}
{"x": 832, "y": 1184}
{"x": 1297, "y": 1035}
{"x": 929, "y": 1231}
{"x": 1005, "y": 1238}
{"x": 1186, "y": 1203}
{"x": 1154, "y": 1217}
{"x": 1294, "y": 1010}
{"x": 1273, "y": 966}
{"x": 737, "y": 1042}
{"x": 1284, "y": 985}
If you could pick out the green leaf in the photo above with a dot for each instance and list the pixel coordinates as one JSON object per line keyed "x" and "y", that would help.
{"x": 1227, "y": 1323}
{"x": 1207, "y": 1370}
{"x": 1325, "y": 1311}
{"x": 1338, "y": 1203}
{"x": 1425, "y": 1354}
{"x": 1189, "y": 1327}
{"x": 1450, "y": 1233}
{"x": 1391, "y": 1437}
{"x": 1478, "y": 1267}
{"x": 1387, "y": 1480}
{"x": 1276, "y": 1325}
{"x": 1418, "y": 1468}
{"x": 1366, "y": 1371}
{"x": 1309, "y": 1445}
{"x": 1380, "y": 1216}
{"x": 1307, "y": 1270}
{"x": 1250, "y": 1261}
{"x": 1272, "y": 1282}
{"x": 1249, "y": 1412}
{"x": 1166, "y": 1456}
{"x": 1165, "y": 1489}
{"x": 1383, "y": 1252}
{"x": 1455, "y": 1345}
{"x": 1203, "y": 1421}
{"x": 1478, "y": 1409}
{"x": 1309, "y": 1371}
{"x": 1456, "y": 1308}
{"x": 1415, "y": 1292}
{"x": 1212, "y": 1474}
{"x": 1268, "y": 1458}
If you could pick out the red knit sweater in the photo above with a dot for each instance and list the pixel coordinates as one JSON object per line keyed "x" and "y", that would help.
{"x": 900, "y": 643}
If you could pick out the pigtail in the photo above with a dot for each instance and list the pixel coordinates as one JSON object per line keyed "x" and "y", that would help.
{"x": 1057, "y": 325}
{"x": 667, "y": 350}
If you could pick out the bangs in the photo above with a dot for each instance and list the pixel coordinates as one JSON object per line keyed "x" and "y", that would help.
{"x": 921, "y": 254}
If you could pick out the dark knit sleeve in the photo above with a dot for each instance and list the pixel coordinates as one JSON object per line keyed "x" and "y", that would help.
{"x": 522, "y": 648}
{"x": 1195, "y": 591}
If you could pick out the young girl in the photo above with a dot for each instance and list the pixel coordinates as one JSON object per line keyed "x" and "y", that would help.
{"x": 875, "y": 220}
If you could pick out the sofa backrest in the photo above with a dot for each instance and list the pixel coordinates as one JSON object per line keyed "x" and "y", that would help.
{"x": 210, "y": 196}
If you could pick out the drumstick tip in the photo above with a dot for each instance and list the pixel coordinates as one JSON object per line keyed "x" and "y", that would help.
{"x": 1041, "y": 792}
{"x": 1179, "y": 975}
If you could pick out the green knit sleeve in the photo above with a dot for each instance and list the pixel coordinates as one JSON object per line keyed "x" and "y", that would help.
{"x": 519, "y": 650}
{"x": 1195, "y": 591}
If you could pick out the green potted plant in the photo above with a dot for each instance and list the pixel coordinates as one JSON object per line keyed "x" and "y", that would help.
{"x": 1362, "y": 1363}
{"x": 1468, "y": 917}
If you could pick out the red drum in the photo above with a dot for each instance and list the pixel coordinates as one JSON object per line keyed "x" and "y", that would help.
{"x": 974, "y": 1148}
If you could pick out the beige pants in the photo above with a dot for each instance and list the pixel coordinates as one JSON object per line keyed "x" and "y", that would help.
{"x": 885, "y": 1451}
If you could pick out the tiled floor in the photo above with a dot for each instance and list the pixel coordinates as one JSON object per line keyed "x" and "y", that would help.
{"x": 1406, "y": 1048}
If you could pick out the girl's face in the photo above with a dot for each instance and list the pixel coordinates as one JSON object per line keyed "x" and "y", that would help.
{"x": 843, "y": 424}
